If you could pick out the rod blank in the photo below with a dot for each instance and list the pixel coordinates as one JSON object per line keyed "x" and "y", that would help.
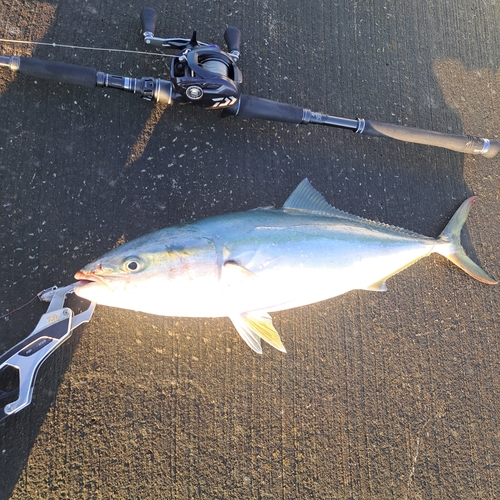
{"x": 255, "y": 107}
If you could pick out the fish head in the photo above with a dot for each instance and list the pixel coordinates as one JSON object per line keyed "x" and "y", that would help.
{"x": 157, "y": 273}
{"x": 113, "y": 275}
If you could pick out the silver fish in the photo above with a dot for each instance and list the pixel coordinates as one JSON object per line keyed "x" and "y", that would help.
{"x": 245, "y": 265}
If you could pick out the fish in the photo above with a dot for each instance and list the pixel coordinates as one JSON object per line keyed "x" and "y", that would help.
{"x": 245, "y": 265}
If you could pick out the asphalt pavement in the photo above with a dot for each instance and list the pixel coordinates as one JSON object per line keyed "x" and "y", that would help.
{"x": 389, "y": 395}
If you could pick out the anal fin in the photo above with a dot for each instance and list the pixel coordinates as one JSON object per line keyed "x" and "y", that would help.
{"x": 379, "y": 286}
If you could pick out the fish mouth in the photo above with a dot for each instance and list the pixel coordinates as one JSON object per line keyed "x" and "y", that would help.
{"x": 88, "y": 278}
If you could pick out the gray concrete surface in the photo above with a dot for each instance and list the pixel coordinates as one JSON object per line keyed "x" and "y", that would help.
{"x": 379, "y": 396}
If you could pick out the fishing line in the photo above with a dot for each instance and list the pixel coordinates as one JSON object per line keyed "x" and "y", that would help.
{"x": 37, "y": 296}
{"x": 82, "y": 47}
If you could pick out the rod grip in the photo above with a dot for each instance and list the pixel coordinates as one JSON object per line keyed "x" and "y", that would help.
{"x": 59, "y": 72}
{"x": 149, "y": 16}
{"x": 460, "y": 143}
{"x": 255, "y": 107}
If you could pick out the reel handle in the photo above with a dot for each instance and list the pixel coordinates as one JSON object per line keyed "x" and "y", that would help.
{"x": 232, "y": 36}
{"x": 149, "y": 17}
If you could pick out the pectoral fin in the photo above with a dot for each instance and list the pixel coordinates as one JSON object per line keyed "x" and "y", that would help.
{"x": 255, "y": 326}
{"x": 232, "y": 272}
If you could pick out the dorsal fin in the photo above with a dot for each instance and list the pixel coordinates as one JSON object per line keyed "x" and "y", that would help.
{"x": 305, "y": 197}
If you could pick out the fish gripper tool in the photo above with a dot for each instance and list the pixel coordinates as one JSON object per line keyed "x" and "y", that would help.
{"x": 53, "y": 328}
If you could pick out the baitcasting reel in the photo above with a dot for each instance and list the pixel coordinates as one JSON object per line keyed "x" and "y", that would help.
{"x": 202, "y": 74}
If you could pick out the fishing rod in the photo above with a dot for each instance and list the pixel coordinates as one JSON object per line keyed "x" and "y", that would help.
{"x": 206, "y": 76}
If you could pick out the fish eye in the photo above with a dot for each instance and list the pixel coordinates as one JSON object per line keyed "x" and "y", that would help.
{"x": 132, "y": 264}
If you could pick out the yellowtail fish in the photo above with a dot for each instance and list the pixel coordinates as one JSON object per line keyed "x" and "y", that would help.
{"x": 247, "y": 264}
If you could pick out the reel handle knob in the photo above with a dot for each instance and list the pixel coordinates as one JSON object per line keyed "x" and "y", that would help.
{"x": 232, "y": 36}
{"x": 149, "y": 17}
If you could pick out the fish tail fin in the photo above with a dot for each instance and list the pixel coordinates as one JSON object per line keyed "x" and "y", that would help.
{"x": 449, "y": 244}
